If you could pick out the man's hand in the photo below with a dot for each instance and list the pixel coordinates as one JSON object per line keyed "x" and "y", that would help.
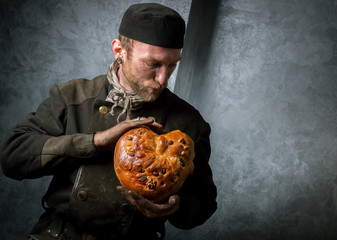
{"x": 107, "y": 139}
{"x": 148, "y": 208}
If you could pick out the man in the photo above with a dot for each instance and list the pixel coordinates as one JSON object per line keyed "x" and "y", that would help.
{"x": 73, "y": 133}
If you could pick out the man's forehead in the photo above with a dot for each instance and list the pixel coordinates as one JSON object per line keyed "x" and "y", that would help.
{"x": 171, "y": 59}
{"x": 151, "y": 52}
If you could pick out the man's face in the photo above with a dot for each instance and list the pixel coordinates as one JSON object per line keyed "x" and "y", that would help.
{"x": 147, "y": 68}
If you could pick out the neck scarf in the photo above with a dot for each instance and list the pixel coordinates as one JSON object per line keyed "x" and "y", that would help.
{"x": 129, "y": 101}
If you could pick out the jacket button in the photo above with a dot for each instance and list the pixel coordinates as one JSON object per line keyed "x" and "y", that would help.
{"x": 82, "y": 195}
{"x": 103, "y": 109}
{"x": 126, "y": 208}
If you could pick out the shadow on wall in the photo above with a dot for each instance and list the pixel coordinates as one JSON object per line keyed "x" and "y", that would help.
{"x": 198, "y": 39}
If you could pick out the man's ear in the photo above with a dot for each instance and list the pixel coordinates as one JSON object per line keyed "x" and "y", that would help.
{"x": 117, "y": 48}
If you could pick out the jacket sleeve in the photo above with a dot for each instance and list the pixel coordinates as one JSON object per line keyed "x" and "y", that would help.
{"x": 37, "y": 146}
{"x": 198, "y": 194}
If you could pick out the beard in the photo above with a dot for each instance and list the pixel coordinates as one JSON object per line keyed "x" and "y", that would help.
{"x": 138, "y": 87}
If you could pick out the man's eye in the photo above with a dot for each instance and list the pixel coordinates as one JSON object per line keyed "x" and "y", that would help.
{"x": 152, "y": 65}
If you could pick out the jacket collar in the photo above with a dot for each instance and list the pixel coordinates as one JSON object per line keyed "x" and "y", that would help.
{"x": 154, "y": 109}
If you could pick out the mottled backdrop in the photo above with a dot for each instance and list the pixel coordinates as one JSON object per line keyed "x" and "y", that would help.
{"x": 267, "y": 83}
{"x": 262, "y": 72}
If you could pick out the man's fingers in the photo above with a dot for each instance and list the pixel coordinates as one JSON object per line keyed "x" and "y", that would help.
{"x": 148, "y": 208}
{"x": 174, "y": 200}
{"x": 158, "y": 128}
{"x": 150, "y": 122}
{"x": 106, "y": 140}
{"x": 142, "y": 204}
{"x": 127, "y": 194}
{"x": 142, "y": 120}
{"x": 120, "y": 189}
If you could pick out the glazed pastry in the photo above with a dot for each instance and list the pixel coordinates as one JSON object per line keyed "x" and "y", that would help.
{"x": 155, "y": 166}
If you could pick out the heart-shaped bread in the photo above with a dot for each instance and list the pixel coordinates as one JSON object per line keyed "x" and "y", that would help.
{"x": 155, "y": 166}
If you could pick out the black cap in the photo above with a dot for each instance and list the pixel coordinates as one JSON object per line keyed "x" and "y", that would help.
{"x": 153, "y": 24}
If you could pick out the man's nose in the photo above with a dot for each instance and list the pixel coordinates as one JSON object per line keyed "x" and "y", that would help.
{"x": 162, "y": 75}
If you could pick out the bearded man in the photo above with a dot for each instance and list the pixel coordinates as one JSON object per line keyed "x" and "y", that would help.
{"x": 73, "y": 133}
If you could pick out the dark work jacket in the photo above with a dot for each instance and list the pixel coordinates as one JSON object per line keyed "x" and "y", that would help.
{"x": 57, "y": 140}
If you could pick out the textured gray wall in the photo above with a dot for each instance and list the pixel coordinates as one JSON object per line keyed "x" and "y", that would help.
{"x": 264, "y": 76}
{"x": 45, "y": 42}
{"x": 267, "y": 83}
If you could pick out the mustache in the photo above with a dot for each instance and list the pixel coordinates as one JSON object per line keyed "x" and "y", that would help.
{"x": 158, "y": 85}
